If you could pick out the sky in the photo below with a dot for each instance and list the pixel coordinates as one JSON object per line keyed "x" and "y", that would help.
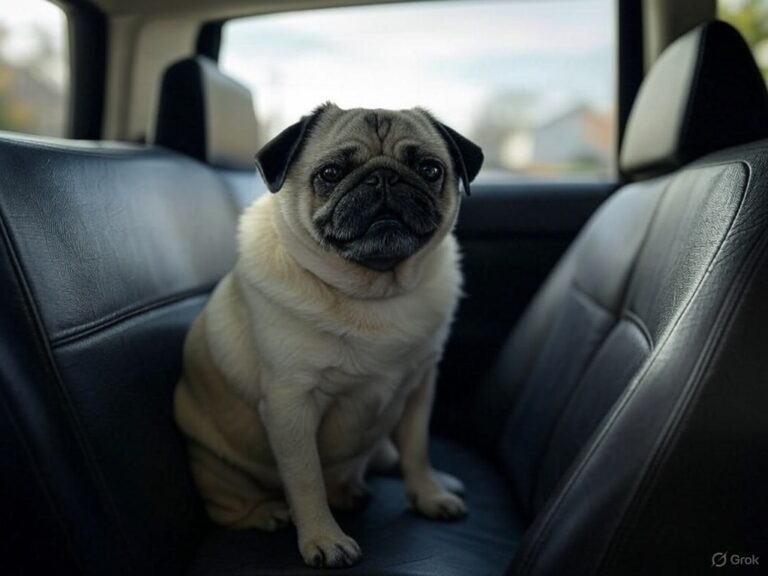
{"x": 449, "y": 56}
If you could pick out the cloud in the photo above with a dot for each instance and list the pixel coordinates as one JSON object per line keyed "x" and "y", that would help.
{"x": 448, "y": 56}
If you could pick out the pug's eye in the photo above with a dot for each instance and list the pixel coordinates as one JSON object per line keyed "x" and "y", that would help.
{"x": 331, "y": 173}
{"x": 430, "y": 170}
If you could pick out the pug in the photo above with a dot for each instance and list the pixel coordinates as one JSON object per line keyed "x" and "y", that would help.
{"x": 316, "y": 356}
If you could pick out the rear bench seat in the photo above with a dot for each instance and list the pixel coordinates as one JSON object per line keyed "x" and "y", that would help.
{"x": 627, "y": 412}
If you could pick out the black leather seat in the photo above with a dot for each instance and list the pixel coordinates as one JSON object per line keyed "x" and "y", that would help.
{"x": 394, "y": 541}
{"x": 628, "y": 406}
{"x": 108, "y": 252}
{"x": 205, "y": 114}
{"x": 624, "y": 419}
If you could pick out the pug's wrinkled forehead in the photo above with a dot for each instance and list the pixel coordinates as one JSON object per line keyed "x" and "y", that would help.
{"x": 331, "y": 134}
{"x": 366, "y": 133}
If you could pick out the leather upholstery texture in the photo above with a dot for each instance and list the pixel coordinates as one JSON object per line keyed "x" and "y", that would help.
{"x": 604, "y": 403}
{"x": 395, "y": 540}
{"x": 108, "y": 253}
{"x": 672, "y": 474}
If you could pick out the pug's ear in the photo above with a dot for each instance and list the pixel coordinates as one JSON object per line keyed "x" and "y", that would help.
{"x": 277, "y": 155}
{"x": 466, "y": 155}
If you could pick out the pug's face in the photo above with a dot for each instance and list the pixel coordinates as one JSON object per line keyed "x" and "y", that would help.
{"x": 375, "y": 186}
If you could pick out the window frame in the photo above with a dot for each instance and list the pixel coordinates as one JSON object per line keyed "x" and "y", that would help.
{"x": 629, "y": 61}
{"x": 87, "y": 38}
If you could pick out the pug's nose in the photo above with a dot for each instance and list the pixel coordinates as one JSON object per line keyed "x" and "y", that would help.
{"x": 381, "y": 176}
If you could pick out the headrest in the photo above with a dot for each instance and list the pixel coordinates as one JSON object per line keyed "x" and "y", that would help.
{"x": 207, "y": 115}
{"x": 703, "y": 94}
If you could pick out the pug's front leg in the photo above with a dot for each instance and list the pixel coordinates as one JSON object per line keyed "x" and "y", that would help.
{"x": 422, "y": 484}
{"x": 291, "y": 420}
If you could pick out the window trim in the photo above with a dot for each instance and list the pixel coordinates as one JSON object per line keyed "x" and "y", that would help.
{"x": 87, "y": 26}
{"x": 629, "y": 60}
{"x": 630, "y": 66}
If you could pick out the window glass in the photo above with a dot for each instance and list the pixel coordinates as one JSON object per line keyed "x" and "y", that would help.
{"x": 532, "y": 82}
{"x": 750, "y": 17}
{"x": 34, "y": 67}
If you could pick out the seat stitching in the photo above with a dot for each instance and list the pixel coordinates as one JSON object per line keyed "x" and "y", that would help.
{"x": 590, "y": 298}
{"x": 630, "y": 316}
{"x": 682, "y": 407}
{"x": 61, "y": 392}
{"x": 681, "y": 410}
{"x": 118, "y": 152}
{"x": 74, "y": 333}
{"x": 566, "y": 402}
{"x": 579, "y": 466}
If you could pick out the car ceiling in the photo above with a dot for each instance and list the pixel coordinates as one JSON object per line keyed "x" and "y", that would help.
{"x": 219, "y": 8}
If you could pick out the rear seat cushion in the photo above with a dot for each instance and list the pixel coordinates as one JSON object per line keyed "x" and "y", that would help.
{"x": 394, "y": 540}
{"x": 108, "y": 254}
{"x": 589, "y": 349}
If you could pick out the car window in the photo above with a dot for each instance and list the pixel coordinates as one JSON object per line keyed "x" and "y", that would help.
{"x": 750, "y": 17}
{"x": 532, "y": 82}
{"x": 34, "y": 67}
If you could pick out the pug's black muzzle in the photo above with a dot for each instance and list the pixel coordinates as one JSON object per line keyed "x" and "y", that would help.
{"x": 381, "y": 220}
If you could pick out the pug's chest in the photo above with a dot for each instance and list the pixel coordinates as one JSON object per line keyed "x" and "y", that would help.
{"x": 364, "y": 396}
{"x": 374, "y": 373}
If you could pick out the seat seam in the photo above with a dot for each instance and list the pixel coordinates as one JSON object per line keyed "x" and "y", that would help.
{"x": 682, "y": 408}
{"x": 75, "y": 333}
{"x": 665, "y": 182}
{"x": 592, "y": 300}
{"x": 612, "y": 416}
{"x": 691, "y": 391}
{"x": 70, "y": 414}
{"x": 633, "y": 318}
{"x": 641, "y": 479}
{"x": 566, "y": 402}
{"x": 155, "y": 152}
{"x": 580, "y": 380}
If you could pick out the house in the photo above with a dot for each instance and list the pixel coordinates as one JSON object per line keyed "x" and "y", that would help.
{"x": 581, "y": 139}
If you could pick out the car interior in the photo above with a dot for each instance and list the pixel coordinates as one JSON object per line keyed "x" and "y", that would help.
{"x": 603, "y": 392}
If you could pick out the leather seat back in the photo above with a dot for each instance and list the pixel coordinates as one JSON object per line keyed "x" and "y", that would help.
{"x": 604, "y": 402}
{"x": 205, "y": 114}
{"x": 107, "y": 252}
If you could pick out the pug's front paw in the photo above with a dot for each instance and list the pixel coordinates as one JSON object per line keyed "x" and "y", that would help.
{"x": 330, "y": 550}
{"x": 439, "y": 505}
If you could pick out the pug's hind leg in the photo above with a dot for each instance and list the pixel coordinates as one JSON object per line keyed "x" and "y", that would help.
{"x": 232, "y": 498}
{"x": 347, "y": 490}
{"x": 268, "y": 516}
{"x": 385, "y": 458}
